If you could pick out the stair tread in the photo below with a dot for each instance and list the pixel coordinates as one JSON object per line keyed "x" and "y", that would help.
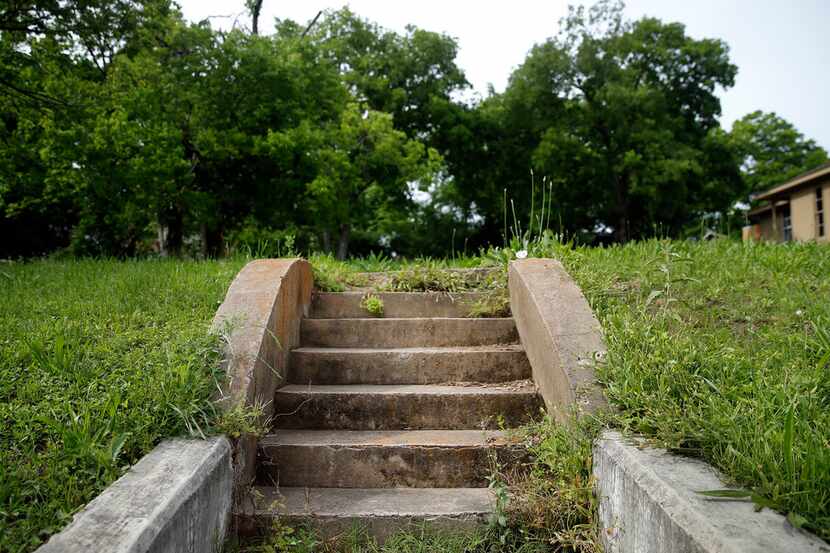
{"x": 408, "y": 320}
{"x": 428, "y": 349}
{"x": 385, "y": 438}
{"x": 524, "y": 387}
{"x": 375, "y": 502}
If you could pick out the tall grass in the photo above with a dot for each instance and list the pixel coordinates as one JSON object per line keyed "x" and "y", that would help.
{"x": 99, "y": 361}
{"x": 720, "y": 350}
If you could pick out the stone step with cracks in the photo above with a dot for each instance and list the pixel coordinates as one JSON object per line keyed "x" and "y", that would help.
{"x": 407, "y": 333}
{"x": 432, "y": 365}
{"x": 381, "y": 512}
{"x": 402, "y": 407}
{"x": 347, "y": 305}
{"x": 384, "y": 459}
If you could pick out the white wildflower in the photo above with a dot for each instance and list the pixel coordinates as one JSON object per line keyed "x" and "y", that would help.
{"x": 521, "y": 254}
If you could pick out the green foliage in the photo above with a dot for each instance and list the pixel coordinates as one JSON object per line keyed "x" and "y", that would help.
{"x": 729, "y": 365}
{"x": 332, "y": 275}
{"x": 373, "y": 304}
{"x": 99, "y": 361}
{"x": 427, "y": 277}
{"x": 548, "y": 504}
{"x": 772, "y": 150}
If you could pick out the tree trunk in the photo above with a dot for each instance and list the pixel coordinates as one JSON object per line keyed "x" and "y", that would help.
{"x": 256, "y": 7}
{"x": 621, "y": 227}
{"x": 326, "y": 241}
{"x": 171, "y": 232}
{"x": 212, "y": 241}
{"x": 343, "y": 242}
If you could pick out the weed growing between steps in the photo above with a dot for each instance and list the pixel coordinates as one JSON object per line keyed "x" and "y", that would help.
{"x": 99, "y": 361}
{"x": 372, "y": 304}
{"x": 548, "y": 505}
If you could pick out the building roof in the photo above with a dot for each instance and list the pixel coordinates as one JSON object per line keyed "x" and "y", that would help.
{"x": 820, "y": 171}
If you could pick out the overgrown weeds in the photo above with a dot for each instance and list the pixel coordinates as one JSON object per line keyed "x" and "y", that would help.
{"x": 550, "y": 505}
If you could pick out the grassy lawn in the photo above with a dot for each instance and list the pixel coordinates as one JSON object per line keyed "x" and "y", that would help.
{"x": 99, "y": 361}
{"x": 722, "y": 350}
{"x": 719, "y": 350}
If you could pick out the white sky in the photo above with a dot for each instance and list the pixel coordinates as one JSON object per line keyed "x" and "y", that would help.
{"x": 781, "y": 47}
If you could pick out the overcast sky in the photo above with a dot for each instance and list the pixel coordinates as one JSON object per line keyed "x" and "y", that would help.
{"x": 781, "y": 48}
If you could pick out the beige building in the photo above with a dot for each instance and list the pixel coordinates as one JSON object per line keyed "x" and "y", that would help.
{"x": 794, "y": 210}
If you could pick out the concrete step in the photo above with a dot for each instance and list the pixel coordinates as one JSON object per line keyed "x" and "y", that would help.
{"x": 384, "y": 459}
{"x": 416, "y": 407}
{"x": 380, "y": 512}
{"x": 407, "y": 333}
{"x": 346, "y": 305}
{"x": 408, "y": 365}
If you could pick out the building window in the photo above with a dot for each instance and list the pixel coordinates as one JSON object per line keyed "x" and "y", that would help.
{"x": 788, "y": 227}
{"x": 819, "y": 212}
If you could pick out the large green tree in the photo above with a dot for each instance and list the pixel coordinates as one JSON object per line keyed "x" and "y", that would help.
{"x": 772, "y": 150}
{"x": 622, "y": 117}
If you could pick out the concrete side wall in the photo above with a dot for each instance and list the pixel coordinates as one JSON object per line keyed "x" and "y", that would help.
{"x": 260, "y": 322}
{"x": 803, "y": 213}
{"x": 560, "y": 334}
{"x": 175, "y": 499}
{"x": 648, "y": 502}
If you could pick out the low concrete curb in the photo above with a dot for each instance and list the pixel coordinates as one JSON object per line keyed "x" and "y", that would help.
{"x": 560, "y": 334}
{"x": 177, "y": 498}
{"x": 649, "y": 502}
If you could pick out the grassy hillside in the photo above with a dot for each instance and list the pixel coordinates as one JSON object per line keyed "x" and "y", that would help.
{"x": 722, "y": 350}
{"x": 99, "y": 360}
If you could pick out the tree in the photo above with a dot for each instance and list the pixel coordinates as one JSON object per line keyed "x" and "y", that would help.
{"x": 622, "y": 116}
{"x": 365, "y": 168}
{"x": 772, "y": 150}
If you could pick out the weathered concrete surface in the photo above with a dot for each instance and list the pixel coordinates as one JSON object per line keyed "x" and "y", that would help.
{"x": 176, "y": 498}
{"x": 346, "y": 305}
{"x": 260, "y": 322}
{"x": 371, "y": 407}
{"x": 648, "y": 503}
{"x": 383, "y": 459}
{"x": 560, "y": 334}
{"x": 408, "y": 365}
{"x": 381, "y": 512}
{"x": 407, "y": 333}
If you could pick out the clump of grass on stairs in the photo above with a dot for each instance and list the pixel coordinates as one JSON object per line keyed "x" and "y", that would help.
{"x": 426, "y": 277}
{"x": 373, "y": 304}
{"x": 549, "y": 505}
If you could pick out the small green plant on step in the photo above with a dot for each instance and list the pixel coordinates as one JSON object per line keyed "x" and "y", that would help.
{"x": 373, "y": 304}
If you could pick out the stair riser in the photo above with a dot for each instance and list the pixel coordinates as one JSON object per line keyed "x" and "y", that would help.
{"x": 406, "y": 333}
{"x": 407, "y": 367}
{"x": 397, "y": 304}
{"x": 379, "y": 527}
{"x": 406, "y": 411}
{"x": 382, "y": 466}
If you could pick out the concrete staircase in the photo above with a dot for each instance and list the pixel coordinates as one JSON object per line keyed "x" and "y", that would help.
{"x": 392, "y": 420}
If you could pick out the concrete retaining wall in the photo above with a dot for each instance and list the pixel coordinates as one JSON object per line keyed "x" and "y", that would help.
{"x": 648, "y": 500}
{"x": 176, "y": 499}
